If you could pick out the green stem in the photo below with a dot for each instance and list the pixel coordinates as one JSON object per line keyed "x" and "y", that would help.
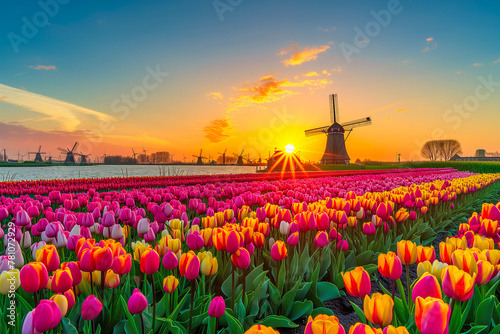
{"x": 142, "y": 323}
{"x": 154, "y": 300}
{"x": 103, "y": 279}
{"x": 192, "y": 304}
{"x": 408, "y": 283}
{"x": 233, "y": 296}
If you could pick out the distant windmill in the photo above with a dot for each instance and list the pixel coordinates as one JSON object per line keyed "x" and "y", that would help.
{"x": 200, "y": 158}
{"x": 335, "y": 151}
{"x": 83, "y": 157}
{"x": 50, "y": 158}
{"x": 38, "y": 154}
{"x": 172, "y": 157}
{"x": 240, "y": 161}
{"x": 70, "y": 157}
{"x": 4, "y": 156}
{"x": 224, "y": 157}
{"x": 184, "y": 158}
{"x": 134, "y": 155}
{"x": 146, "y": 158}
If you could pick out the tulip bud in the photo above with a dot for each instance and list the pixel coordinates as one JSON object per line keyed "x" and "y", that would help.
{"x": 170, "y": 283}
{"x": 137, "y": 303}
{"x": 217, "y": 307}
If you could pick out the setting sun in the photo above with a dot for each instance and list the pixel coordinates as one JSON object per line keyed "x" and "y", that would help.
{"x": 289, "y": 148}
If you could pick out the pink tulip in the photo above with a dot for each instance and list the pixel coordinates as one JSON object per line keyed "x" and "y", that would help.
{"x": 91, "y": 308}
{"x": 217, "y": 307}
{"x": 46, "y": 316}
{"x": 137, "y": 303}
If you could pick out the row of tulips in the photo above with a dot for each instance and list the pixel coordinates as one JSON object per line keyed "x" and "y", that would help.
{"x": 99, "y": 260}
{"x": 42, "y": 187}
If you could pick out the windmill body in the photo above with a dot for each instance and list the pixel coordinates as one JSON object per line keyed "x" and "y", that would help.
{"x": 70, "y": 154}
{"x": 200, "y": 158}
{"x": 335, "y": 150}
{"x": 240, "y": 161}
{"x": 38, "y": 154}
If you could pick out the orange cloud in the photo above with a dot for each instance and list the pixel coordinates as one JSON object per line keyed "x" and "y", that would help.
{"x": 496, "y": 61}
{"x": 478, "y": 64}
{"x": 269, "y": 89}
{"x": 312, "y": 74}
{"x": 42, "y": 67}
{"x": 431, "y": 44}
{"x": 402, "y": 109}
{"x": 215, "y": 131}
{"x": 215, "y": 95}
{"x": 301, "y": 55}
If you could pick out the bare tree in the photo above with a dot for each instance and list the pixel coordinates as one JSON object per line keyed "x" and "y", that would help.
{"x": 431, "y": 150}
{"x": 448, "y": 148}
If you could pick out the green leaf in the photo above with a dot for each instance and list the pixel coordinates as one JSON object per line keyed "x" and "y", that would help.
{"x": 277, "y": 321}
{"x": 321, "y": 310}
{"x": 456, "y": 319}
{"x": 119, "y": 328}
{"x": 234, "y": 325}
{"x": 495, "y": 330}
{"x": 327, "y": 291}
{"x": 129, "y": 316}
{"x": 476, "y": 329}
{"x": 300, "y": 309}
{"x": 67, "y": 327}
{"x": 281, "y": 277}
{"x": 350, "y": 261}
{"x": 173, "y": 315}
{"x": 484, "y": 312}
{"x": 227, "y": 286}
{"x": 288, "y": 298}
{"x": 364, "y": 258}
{"x": 359, "y": 312}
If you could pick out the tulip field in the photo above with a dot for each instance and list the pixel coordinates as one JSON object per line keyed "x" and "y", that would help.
{"x": 407, "y": 250}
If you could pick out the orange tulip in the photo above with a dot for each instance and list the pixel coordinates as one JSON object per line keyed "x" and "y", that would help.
{"x": 484, "y": 272}
{"x": 445, "y": 252}
{"x": 61, "y": 281}
{"x": 324, "y": 324}
{"x": 389, "y": 265}
{"x": 407, "y": 251}
{"x": 432, "y": 315}
{"x": 464, "y": 260}
{"x": 357, "y": 282}
{"x": 378, "y": 309}
{"x": 49, "y": 257}
{"x": 458, "y": 284}
{"x": 425, "y": 254}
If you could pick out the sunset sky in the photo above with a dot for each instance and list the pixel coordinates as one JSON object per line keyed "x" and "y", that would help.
{"x": 248, "y": 74}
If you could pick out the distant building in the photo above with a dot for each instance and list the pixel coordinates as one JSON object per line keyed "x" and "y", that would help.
{"x": 480, "y": 153}
{"x": 456, "y": 157}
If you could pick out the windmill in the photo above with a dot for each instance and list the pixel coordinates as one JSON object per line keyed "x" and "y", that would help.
{"x": 4, "y": 156}
{"x": 184, "y": 158}
{"x": 145, "y": 152}
{"x": 240, "y": 161}
{"x": 172, "y": 157}
{"x": 335, "y": 151}
{"x": 134, "y": 155}
{"x": 224, "y": 157}
{"x": 38, "y": 154}
{"x": 50, "y": 158}
{"x": 200, "y": 158}
{"x": 83, "y": 157}
{"x": 70, "y": 157}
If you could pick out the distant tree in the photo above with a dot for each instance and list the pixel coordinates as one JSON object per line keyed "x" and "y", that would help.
{"x": 431, "y": 150}
{"x": 448, "y": 148}
{"x": 441, "y": 149}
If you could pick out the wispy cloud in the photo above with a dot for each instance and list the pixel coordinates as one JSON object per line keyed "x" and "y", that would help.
{"x": 216, "y": 131}
{"x": 402, "y": 109}
{"x": 477, "y": 64}
{"x": 215, "y": 95}
{"x": 312, "y": 74}
{"x": 496, "y": 61}
{"x": 64, "y": 113}
{"x": 300, "y": 54}
{"x": 269, "y": 89}
{"x": 431, "y": 44}
{"x": 43, "y": 67}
